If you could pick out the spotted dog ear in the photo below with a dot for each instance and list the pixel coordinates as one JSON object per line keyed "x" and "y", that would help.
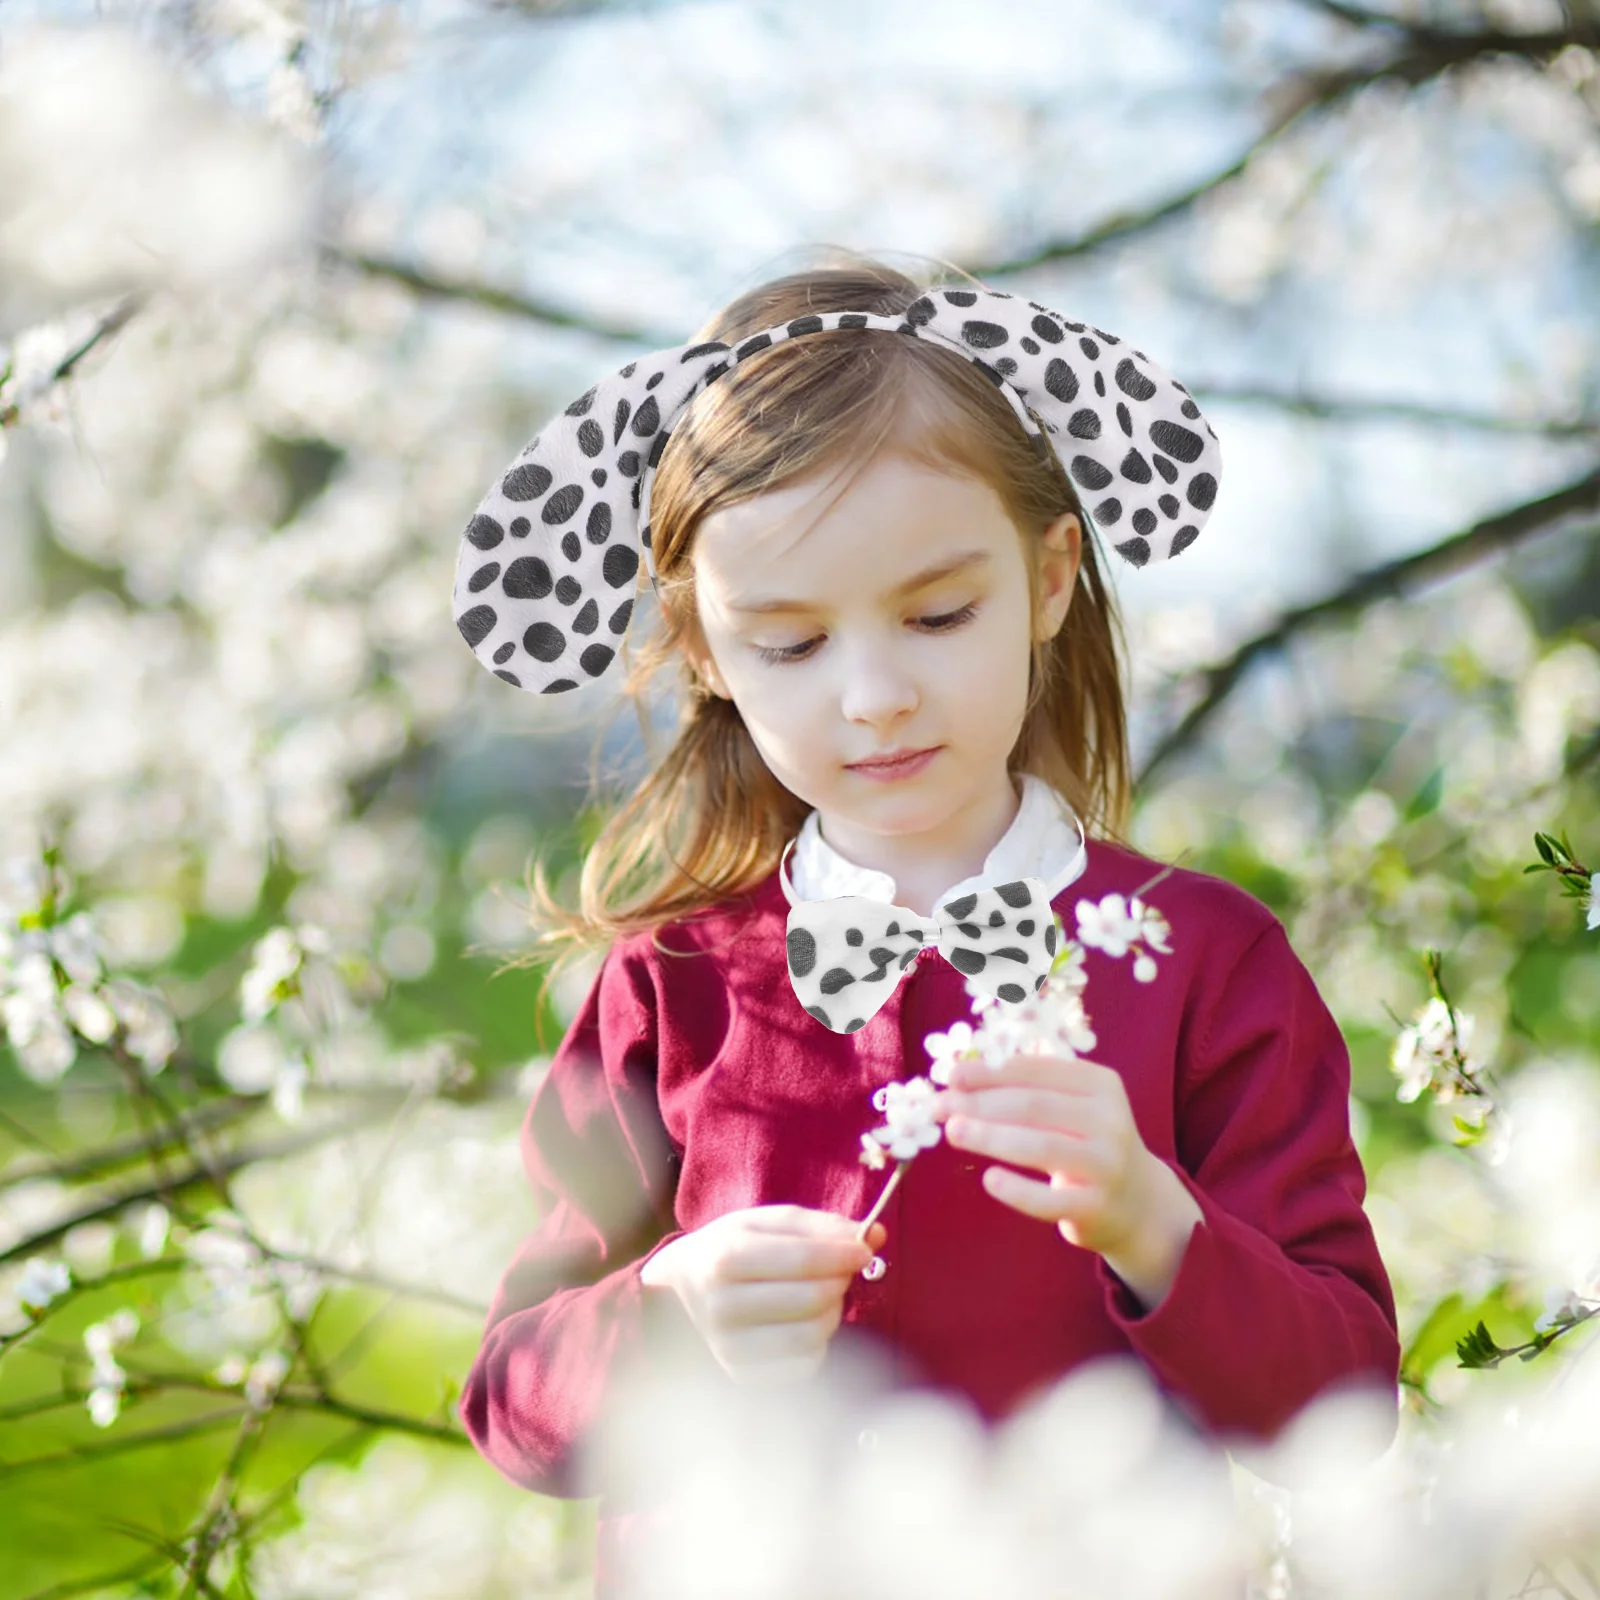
{"x": 548, "y": 565}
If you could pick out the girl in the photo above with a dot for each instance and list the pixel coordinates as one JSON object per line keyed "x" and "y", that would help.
{"x": 864, "y": 548}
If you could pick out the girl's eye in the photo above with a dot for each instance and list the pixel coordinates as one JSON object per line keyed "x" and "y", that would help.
{"x": 946, "y": 623}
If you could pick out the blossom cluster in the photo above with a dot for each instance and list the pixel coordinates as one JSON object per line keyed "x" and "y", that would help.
{"x": 55, "y": 990}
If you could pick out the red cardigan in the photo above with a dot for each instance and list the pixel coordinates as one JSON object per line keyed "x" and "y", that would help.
{"x": 691, "y": 1086}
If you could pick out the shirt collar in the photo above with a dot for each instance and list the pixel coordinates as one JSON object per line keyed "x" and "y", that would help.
{"x": 1045, "y": 841}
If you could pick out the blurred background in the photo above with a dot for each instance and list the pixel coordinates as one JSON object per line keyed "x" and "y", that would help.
{"x": 284, "y": 286}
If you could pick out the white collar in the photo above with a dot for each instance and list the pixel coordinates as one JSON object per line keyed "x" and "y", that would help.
{"x": 1041, "y": 843}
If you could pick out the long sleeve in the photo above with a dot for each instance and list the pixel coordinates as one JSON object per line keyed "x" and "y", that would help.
{"x": 571, "y": 1304}
{"x": 1280, "y": 1292}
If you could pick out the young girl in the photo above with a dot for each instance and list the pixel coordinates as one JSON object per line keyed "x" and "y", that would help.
{"x": 866, "y": 546}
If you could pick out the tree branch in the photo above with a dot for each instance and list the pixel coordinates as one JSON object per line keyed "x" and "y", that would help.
{"x": 1451, "y": 556}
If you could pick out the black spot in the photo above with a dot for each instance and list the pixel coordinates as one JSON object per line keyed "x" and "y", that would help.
{"x": 1135, "y": 468}
{"x": 835, "y": 979}
{"x": 1202, "y": 491}
{"x": 596, "y": 659}
{"x": 1190, "y": 409}
{"x": 1124, "y": 420}
{"x": 1016, "y": 894}
{"x": 1047, "y": 330}
{"x": 587, "y": 620}
{"x": 619, "y": 617}
{"x": 620, "y": 565}
{"x": 571, "y": 545}
{"x": 1168, "y": 504}
{"x": 527, "y": 482}
{"x": 655, "y": 380}
{"x": 635, "y": 495}
{"x": 1144, "y": 521}
{"x": 957, "y": 909}
{"x": 802, "y": 950}
{"x": 484, "y": 532}
{"x": 647, "y": 418}
{"x": 968, "y": 961}
{"x": 563, "y": 504}
{"x": 1089, "y": 472}
{"x": 802, "y": 325}
{"x": 1135, "y": 551}
{"x": 560, "y": 686}
{"x": 961, "y": 297}
{"x": 510, "y": 677}
{"x": 657, "y": 445}
{"x": 644, "y": 536}
{"x": 1164, "y": 467}
{"x": 1184, "y": 537}
{"x": 1025, "y": 928}
{"x": 591, "y": 439}
{"x": 568, "y": 591}
{"x": 693, "y": 353}
{"x": 853, "y": 936}
{"x": 1176, "y": 441}
{"x": 1030, "y": 345}
{"x": 527, "y": 578}
{"x": 853, "y": 319}
{"x": 580, "y": 406}
{"x": 712, "y": 373}
{"x": 908, "y": 958}
{"x": 1132, "y": 382}
{"x": 997, "y": 919}
{"x": 477, "y": 624}
{"x": 1108, "y": 511}
{"x": 891, "y": 930}
{"x": 544, "y": 641}
{"x": 628, "y": 464}
{"x": 519, "y": 527}
{"x": 504, "y": 653}
{"x": 598, "y": 477}
{"x": 1061, "y": 381}
{"x": 483, "y": 577}
{"x": 1050, "y": 932}
{"x": 1089, "y": 348}
{"x": 1005, "y": 365}
{"x": 1075, "y": 327}
{"x": 627, "y": 372}
{"x": 1039, "y": 982}
{"x": 988, "y": 372}
{"x": 750, "y": 346}
{"x": 1100, "y": 384}
{"x": 921, "y": 310}
{"x": 1084, "y": 424}
{"x": 598, "y": 529}
{"x": 624, "y": 411}
{"x": 1012, "y": 992}
{"x": 820, "y": 1015}
{"x": 984, "y": 335}
{"x": 880, "y": 958}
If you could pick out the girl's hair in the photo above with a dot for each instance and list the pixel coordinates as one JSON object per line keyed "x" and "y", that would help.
{"x": 710, "y": 821}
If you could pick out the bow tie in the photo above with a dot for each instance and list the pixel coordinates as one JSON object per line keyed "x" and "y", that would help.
{"x": 847, "y": 954}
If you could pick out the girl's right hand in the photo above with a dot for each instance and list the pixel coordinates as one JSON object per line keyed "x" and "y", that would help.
{"x": 765, "y": 1286}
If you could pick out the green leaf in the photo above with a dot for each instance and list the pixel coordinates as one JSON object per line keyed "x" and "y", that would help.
{"x": 1478, "y": 1349}
{"x": 1426, "y": 798}
{"x": 1543, "y": 843}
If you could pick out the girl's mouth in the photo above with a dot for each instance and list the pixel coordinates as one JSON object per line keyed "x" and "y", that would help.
{"x": 898, "y": 769}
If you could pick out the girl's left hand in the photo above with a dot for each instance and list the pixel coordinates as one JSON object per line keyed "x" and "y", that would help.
{"x": 1106, "y": 1190}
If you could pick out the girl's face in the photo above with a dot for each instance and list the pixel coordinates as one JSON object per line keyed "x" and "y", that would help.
{"x": 891, "y": 616}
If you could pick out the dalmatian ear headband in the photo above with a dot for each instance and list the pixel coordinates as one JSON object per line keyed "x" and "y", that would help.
{"x": 549, "y": 563}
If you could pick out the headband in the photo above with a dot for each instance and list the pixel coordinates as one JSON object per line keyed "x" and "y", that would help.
{"x": 548, "y": 565}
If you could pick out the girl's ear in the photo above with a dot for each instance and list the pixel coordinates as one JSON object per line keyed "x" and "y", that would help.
{"x": 1061, "y": 551}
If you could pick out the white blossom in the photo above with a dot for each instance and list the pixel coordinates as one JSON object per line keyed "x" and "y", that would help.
{"x": 945, "y": 1049}
{"x": 1424, "y": 1053}
{"x": 909, "y": 1124}
{"x": 265, "y": 1378}
{"x": 274, "y": 964}
{"x": 1591, "y": 903}
{"x": 42, "y": 1280}
{"x": 101, "y": 1339}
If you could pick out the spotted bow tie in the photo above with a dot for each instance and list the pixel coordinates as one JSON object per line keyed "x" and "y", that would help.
{"x": 847, "y": 954}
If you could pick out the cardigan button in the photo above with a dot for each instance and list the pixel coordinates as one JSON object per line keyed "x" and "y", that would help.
{"x": 867, "y": 1439}
{"x": 874, "y": 1269}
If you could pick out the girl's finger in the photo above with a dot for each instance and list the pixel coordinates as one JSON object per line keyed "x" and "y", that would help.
{"x": 1043, "y": 1148}
{"x": 1046, "y": 1201}
{"x": 754, "y": 1304}
{"x": 1031, "y": 1108}
{"x": 1054, "y": 1072}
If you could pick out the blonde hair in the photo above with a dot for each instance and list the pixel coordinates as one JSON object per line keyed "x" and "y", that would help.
{"x": 710, "y": 820}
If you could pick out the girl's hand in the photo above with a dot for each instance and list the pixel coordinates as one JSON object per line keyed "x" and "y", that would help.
{"x": 1105, "y": 1189}
{"x": 765, "y": 1286}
